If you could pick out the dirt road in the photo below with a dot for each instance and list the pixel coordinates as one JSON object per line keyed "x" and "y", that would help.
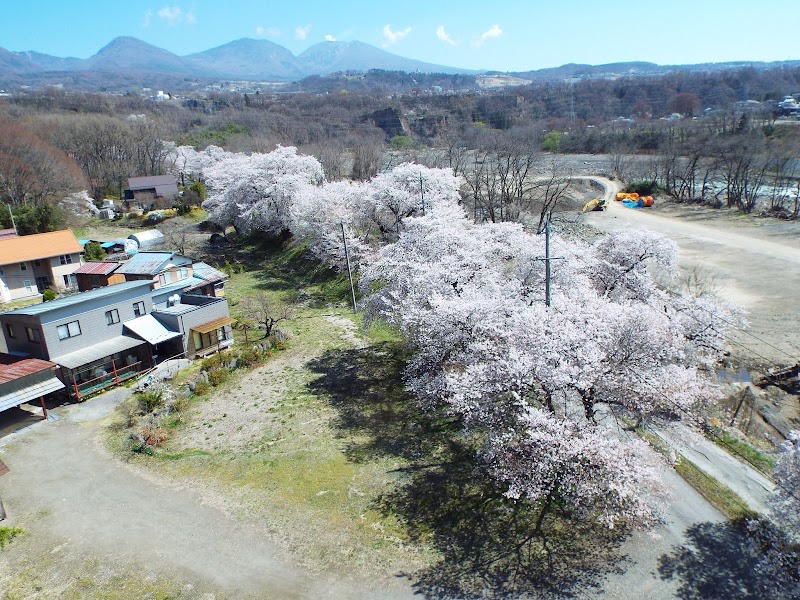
{"x": 78, "y": 503}
{"x": 754, "y": 262}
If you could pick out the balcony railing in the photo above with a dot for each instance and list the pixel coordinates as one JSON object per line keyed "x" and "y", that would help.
{"x": 107, "y": 380}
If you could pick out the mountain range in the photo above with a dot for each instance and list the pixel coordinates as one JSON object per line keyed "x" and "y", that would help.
{"x": 246, "y": 59}
{"x": 128, "y": 63}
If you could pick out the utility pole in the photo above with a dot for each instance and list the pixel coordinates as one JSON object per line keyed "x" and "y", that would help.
{"x": 422, "y": 194}
{"x": 547, "y": 263}
{"x": 547, "y": 258}
{"x": 349, "y": 271}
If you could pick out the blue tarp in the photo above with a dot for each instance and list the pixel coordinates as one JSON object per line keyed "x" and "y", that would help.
{"x": 633, "y": 203}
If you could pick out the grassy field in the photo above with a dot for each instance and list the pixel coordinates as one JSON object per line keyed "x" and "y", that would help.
{"x": 306, "y": 475}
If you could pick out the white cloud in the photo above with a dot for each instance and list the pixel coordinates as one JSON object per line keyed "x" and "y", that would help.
{"x": 392, "y": 37}
{"x": 493, "y": 32}
{"x": 330, "y": 38}
{"x": 444, "y": 36}
{"x": 173, "y": 15}
{"x": 301, "y": 31}
{"x": 271, "y": 32}
{"x": 148, "y": 14}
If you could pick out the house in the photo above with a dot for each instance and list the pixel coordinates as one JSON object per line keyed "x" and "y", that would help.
{"x": 163, "y": 268}
{"x": 208, "y": 281}
{"x": 31, "y": 264}
{"x": 94, "y": 274}
{"x": 107, "y": 335}
{"x": 203, "y": 324}
{"x": 143, "y": 192}
{"x": 84, "y": 335}
{"x": 7, "y": 233}
{"x": 26, "y": 379}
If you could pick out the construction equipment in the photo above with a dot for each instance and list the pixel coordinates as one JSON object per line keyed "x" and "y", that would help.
{"x": 595, "y": 204}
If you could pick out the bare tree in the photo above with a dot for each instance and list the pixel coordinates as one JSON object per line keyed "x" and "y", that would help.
{"x": 267, "y": 311}
{"x": 367, "y": 159}
{"x": 178, "y": 235}
{"x": 549, "y": 189}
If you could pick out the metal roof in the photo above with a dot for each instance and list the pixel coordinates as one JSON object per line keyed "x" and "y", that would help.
{"x": 33, "y": 391}
{"x": 206, "y": 272}
{"x": 149, "y": 235}
{"x": 151, "y": 329}
{"x": 13, "y": 367}
{"x": 152, "y": 263}
{"x": 212, "y": 325}
{"x": 137, "y": 183}
{"x": 101, "y": 292}
{"x": 73, "y": 360}
{"x": 146, "y": 263}
{"x": 97, "y": 268}
{"x": 39, "y": 245}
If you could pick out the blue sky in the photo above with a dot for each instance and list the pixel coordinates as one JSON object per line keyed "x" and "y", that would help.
{"x": 509, "y": 35}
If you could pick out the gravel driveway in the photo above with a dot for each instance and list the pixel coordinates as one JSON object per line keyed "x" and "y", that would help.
{"x": 74, "y": 499}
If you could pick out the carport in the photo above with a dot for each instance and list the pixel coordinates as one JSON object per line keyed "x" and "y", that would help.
{"x": 24, "y": 379}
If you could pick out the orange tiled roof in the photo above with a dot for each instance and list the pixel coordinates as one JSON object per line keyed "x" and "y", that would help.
{"x": 38, "y": 245}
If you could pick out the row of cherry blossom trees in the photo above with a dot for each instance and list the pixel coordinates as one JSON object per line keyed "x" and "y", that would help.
{"x": 545, "y": 392}
{"x": 544, "y": 388}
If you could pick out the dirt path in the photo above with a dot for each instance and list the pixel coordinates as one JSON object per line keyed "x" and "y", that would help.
{"x": 240, "y": 413}
{"x": 89, "y": 515}
{"x": 755, "y": 263}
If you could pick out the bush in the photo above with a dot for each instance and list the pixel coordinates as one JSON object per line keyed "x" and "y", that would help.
{"x": 93, "y": 251}
{"x": 155, "y": 437}
{"x": 153, "y": 217}
{"x": 218, "y": 376}
{"x": 48, "y": 295}
{"x": 201, "y": 388}
{"x": 643, "y": 188}
{"x": 154, "y": 397}
{"x": 249, "y": 357}
{"x": 212, "y": 362}
{"x": 551, "y": 141}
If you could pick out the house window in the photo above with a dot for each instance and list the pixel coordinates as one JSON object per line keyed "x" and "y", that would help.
{"x": 33, "y": 335}
{"x": 23, "y": 266}
{"x": 112, "y": 316}
{"x": 70, "y": 281}
{"x": 72, "y": 329}
{"x": 27, "y": 284}
{"x": 37, "y": 263}
{"x": 65, "y": 259}
{"x": 183, "y": 274}
{"x": 162, "y": 279}
{"x": 10, "y": 330}
{"x": 138, "y": 309}
{"x": 42, "y": 283}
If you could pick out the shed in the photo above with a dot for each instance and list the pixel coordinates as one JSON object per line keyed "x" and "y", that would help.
{"x": 147, "y": 239}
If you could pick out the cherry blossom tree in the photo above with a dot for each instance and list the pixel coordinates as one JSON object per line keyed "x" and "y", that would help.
{"x": 538, "y": 384}
{"x": 409, "y": 190}
{"x": 776, "y": 537}
{"x": 256, "y": 192}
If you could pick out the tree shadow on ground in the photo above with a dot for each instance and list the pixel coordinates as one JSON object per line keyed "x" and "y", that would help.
{"x": 490, "y": 546}
{"x": 720, "y": 562}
